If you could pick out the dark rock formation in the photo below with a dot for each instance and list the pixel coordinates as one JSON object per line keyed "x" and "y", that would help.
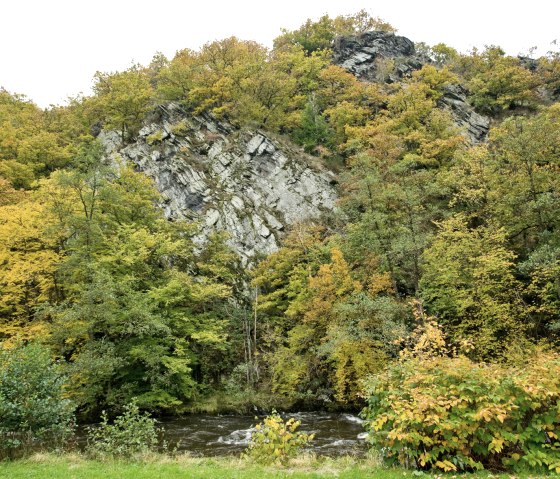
{"x": 529, "y": 63}
{"x": 361, "y": 55}
{"x": 474, "y": 125}
{"x": 366, "y": 56}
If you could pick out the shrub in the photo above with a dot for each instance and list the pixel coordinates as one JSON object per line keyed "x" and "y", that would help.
{"x": 156, "y": 137}
{"x": 451, "y": 413}
{"x": 33, "y": 410}
{"x": 180, "y": 129}
{"x": 130, "y": 434}
{"x": 276, "y": 440}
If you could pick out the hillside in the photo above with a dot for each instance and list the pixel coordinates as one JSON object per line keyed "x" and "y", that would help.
{"x": 345, "y": 219}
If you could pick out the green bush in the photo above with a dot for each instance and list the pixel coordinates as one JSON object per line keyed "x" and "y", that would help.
{"x": 454, "y": 414}
{"x": 180, "y": 129}
{"x": 276, "y": 440}
{"x": 156, "y": 137}
{"x": 33, "y": 410}
{"x": 131, "y": 433}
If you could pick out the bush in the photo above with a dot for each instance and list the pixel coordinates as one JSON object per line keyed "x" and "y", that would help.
{"x": 276, "y": 440}
{"x": 130, "y": 434}
{"x": 450, "y": 413}
{"x": 33, "y": 410}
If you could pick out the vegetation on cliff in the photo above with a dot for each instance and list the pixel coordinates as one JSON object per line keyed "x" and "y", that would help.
{"x": 432, "y": 223}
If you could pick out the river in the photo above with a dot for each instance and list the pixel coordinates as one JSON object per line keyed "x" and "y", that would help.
{"x": 206, "y": 435}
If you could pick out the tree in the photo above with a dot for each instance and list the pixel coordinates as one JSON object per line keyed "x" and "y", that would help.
{"x": 549, "y": 72}
{"x": 123, "y": 99}
{"x": 29, "y": 148}
{"x": 469, "y": 283}
{"x": 501, "y": 83}
{"x": 90, "y": 266}
{"x": 332, "y": 333}
{"x": 29, "y": 257}
{"x": 177, "y": 79}
{"x": 318, "y": 35}
{"x": 391, "y": 195}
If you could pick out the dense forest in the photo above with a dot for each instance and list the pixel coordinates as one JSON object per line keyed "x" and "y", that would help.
{"x": 441, "y": 246}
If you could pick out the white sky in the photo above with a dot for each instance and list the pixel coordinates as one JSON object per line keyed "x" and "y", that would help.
{"x": 50, "y": 49}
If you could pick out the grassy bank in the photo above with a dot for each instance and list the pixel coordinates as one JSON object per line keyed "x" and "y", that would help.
{"x": 161, "y": 467}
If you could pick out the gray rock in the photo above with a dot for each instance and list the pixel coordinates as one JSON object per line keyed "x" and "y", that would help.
{"x": 361, "y": 55}
{"x": 242, "y": 182}
{"x": 212, "y": 217}
{"x": 528, "y": 63}
{"x": 474, "y": 125}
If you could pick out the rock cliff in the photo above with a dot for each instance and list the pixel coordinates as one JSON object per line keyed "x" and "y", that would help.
{"x": 363, "y": 55}
{"x": 250, "y": 184}
{"x": 367, "y": 56}
{"x": 239, "y": 181}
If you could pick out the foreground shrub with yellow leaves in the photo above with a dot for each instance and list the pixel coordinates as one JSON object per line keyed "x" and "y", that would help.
{"x": 275, "y": 441}
{"x": 452, "y": 414}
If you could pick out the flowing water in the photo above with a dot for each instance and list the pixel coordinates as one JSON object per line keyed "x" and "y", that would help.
{"x": 205, "y": 435}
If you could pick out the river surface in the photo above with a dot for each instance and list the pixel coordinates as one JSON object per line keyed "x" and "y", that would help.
{"x": 205, "y": 435}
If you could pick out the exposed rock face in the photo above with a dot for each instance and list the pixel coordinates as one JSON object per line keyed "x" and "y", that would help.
{"x": 529, "y": 63}
{"x": 241, "y": 182}
{"x": 474, "y": 125}
{"x": 363, "y": 55}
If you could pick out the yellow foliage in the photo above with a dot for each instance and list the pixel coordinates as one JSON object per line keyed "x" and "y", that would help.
{"x": 353, "y": 360}
{"x": 29, "y": 256}
{"x": 330, "y": 284}
{"x": 451, "y": 413}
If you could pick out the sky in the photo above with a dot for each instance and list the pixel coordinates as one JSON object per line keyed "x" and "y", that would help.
{"x": 50, "y": 49}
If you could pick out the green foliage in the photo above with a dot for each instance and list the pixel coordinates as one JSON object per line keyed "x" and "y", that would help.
{"x": 325, "y": 333}
{"x": 469, "y": 283}
{"x": 137, "y": 307}
{"x": 444, "y": 54}
{"x": 312, "y": 129}
{"x": 122, "y": 295}
{"x": 498, "y": 82}
{"x": 29, "y": 145}
{"x": 513, "y": 182}
{"x": 276, "y": 441}
{"x": 318, "y": 35}
{"x": 123, "y": 98}
{"x": 452, "y": 414}
{"x": 34, "y": 410}
{"x": 130, "y": 434}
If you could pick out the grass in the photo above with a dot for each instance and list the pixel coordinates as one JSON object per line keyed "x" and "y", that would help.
{"x": 73, "y": 466}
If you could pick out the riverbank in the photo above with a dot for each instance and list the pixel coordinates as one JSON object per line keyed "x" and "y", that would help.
{"x": 261, "y": 402}
{"x": 73, "y": 466}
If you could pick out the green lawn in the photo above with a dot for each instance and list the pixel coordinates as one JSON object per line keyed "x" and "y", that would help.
{"x": 76, "y": 467}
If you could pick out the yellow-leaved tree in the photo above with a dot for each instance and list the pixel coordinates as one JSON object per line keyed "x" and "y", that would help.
{"x": 30, "y": 254}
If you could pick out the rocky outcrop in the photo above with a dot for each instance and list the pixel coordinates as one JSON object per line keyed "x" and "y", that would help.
{"x": 386, "y": 57}
{"x": 238, "y": 181}
{"x": 363, "y": 55}
{"x": 475, "y": 126}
